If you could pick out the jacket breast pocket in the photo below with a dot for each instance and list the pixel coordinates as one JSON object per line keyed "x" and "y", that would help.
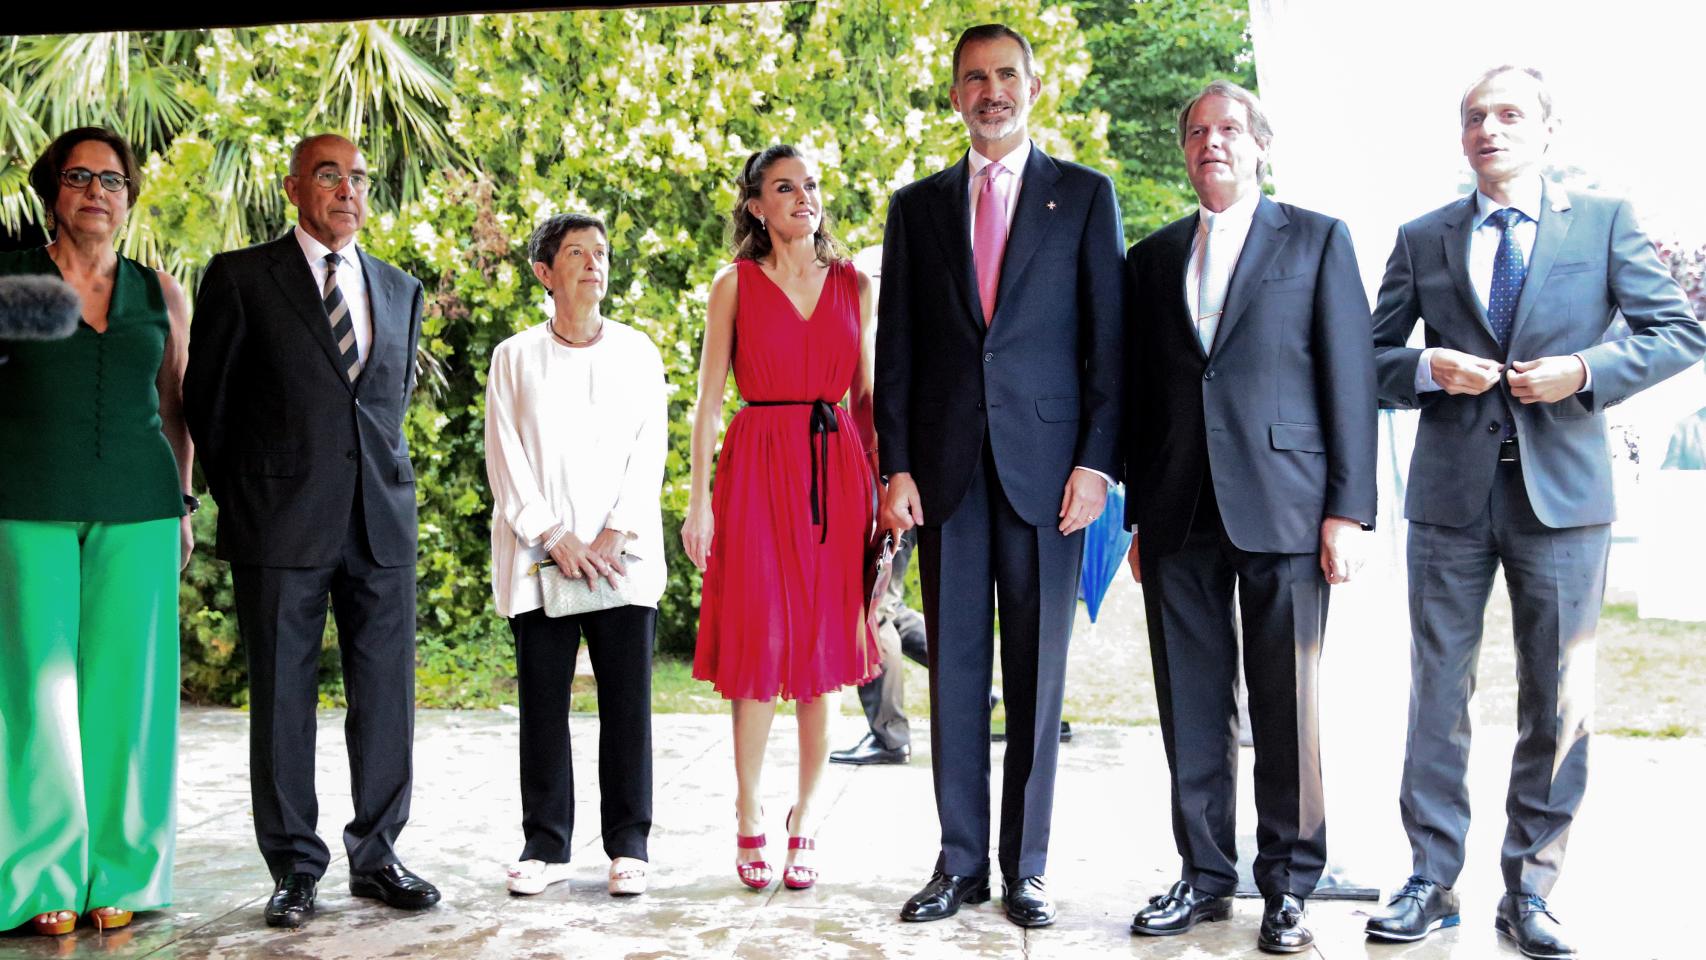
{"x": 1297, "y": 436}
{"x": 405, "y": 470}
{"x": 268, "y": 464}
{"x": 1579, "y": 266}
{"x": 1057, "y": 409}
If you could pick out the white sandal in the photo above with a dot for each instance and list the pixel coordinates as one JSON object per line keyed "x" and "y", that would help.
{"x": 532, "y": 876}
{"x": 627, "y": 877}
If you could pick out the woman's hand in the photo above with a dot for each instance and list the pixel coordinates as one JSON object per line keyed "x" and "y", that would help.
{"x": 576, "y": 559}
{"x": 696, "y": 532}
{"x": 609, "y": 547}
{"x": 186, "y": 542}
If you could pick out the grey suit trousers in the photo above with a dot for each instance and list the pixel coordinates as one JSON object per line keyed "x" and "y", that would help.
{"x": 900, "y": 633}
{"x": 1556, "y": 579}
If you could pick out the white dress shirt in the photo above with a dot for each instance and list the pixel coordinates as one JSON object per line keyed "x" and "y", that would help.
{"x": 351, "y": 282}
{"x": 1232, "y": 228}
{"x": 574, "y": 436}
{"x": 1527, "y": 198}
{"x": 1009, "y": 183}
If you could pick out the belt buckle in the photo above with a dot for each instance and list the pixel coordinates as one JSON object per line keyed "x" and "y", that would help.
{"x": 1508, "y": 451}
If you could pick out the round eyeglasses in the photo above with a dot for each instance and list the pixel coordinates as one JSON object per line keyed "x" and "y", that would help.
{"x": 327, "y": 180}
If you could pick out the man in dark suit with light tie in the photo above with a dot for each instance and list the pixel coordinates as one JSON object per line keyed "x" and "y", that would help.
{"x": 301, "y": 366}
{"x": 1516, "y": 285}
{"x": 1250, "y": 460}
{"x": 997, "y": 417}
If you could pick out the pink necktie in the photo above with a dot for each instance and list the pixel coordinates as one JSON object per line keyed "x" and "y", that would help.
{"x": 989, "y": 239}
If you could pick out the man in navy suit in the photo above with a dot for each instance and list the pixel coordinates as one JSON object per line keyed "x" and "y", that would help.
{"x": 998, "y": 356}
{"x": 1250, "y": 461}
{"x": 301, "y": 367}
{"x": 1516, "y": 285}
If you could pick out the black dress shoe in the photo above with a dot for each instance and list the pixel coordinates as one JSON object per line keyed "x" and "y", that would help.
{"x": 942, "y": 896}
{"x": 1026, "y": 902}
{"x": 1178, "y": 910}
{"x": 1418, "y": 909}
{"x": 292, "y": 901}
{"x": 1524, "y": 920}
{"x": 869, "y": 751}
{"x": 394, "y": 884}
{"x": 1282, "y": 926}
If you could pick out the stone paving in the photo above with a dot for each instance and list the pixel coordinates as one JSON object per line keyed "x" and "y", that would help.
{"x": 1111, "y": 848}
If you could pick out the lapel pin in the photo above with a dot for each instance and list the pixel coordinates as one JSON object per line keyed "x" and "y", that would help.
{"x": 1051, "y": 204}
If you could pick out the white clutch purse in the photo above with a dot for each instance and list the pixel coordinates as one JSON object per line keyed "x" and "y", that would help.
{"x": 571, "y": 596}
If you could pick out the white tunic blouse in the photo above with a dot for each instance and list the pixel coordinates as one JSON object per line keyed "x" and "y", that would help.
{"x": 574, "y": 435}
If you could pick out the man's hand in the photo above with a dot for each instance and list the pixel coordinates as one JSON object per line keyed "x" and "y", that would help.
{"x": 186, "y": 542}
{"x": 1547, "y": 380}
{"x": 1341, "y": 553}
{"x": 1131, "y": 559}
{"x": 1460, "y": 373}
{"x": 1085, "y": 495}
{"x": 902, "y": 510}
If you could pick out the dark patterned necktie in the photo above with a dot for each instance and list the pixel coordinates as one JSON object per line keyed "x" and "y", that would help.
{"x": 1509, "y": 271}
{"x": 343, "y": 329}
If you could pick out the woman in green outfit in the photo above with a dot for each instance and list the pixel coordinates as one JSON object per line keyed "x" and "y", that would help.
{"x": 93, "y": 533}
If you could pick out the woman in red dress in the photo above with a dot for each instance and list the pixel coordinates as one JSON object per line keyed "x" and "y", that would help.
{"x": 782, "y": 540}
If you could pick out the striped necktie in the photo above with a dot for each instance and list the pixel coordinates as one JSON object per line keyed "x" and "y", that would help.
{"x": 343, "y": 329}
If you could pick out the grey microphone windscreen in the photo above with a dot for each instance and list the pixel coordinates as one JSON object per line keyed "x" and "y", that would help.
{"x": 37, "y": 307}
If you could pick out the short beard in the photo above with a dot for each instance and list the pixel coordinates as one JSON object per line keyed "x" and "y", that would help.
{"x": 990, "y": 130}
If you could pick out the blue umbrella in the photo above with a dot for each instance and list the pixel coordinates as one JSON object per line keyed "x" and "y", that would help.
{"x": 1106, "y": 541}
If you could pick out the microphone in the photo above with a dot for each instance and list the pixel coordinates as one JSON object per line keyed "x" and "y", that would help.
{"x": 36, "y": 307}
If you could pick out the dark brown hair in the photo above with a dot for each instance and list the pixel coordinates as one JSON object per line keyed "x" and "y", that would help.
{"x": 548, "y": 236}
{"x": 748, "y": 238}
{"x": 44, "y": 173}
{"x": 994, "y": 31}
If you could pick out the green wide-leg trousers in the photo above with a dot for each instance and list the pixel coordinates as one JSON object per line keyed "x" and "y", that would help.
{"x": 88, "y": 715}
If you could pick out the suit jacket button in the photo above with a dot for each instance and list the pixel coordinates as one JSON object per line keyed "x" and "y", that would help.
{"x": 1208, "y": 375}
{"x": 980, "y": 404}
{"x": 349, "y": 454}
{"x": 1492, "y": 428}
{"x": 988, "y": 357}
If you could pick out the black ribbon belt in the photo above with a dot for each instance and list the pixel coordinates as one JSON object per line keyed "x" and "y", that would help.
{"x": 821, "y": 425}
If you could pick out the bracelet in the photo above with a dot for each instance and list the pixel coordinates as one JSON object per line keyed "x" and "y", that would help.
{"x": 557, "y": 534}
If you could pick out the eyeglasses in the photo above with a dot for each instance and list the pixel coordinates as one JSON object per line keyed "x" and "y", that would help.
{"x": 79, "y": 177}
{"x": 359, "y": 182}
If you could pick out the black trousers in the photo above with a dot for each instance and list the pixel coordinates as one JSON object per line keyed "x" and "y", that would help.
{"x": 983, "y": 551}
{"x": 281, "y": 615}
{"x": 619, "y": 642}
{"x": 1193, "y": 641}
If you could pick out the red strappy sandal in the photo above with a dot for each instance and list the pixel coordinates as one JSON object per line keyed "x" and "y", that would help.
{"x": 754, "y": 873}
{"x": 794, "y": 876}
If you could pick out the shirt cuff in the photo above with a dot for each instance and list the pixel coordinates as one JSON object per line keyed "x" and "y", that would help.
{"x": 1587, "y": 373}
{"x": 1110, "y": 480}
{"x": 1425, "y": 373}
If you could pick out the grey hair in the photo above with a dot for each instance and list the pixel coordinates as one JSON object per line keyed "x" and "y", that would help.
{"x": 1260, "y": 127}
{"x": 1540, "y": 78}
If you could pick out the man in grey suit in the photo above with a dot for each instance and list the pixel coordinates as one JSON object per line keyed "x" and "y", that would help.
{"x": 301, "y": 366}
{"x": 997, "y": 409}
{"x": 1250, "y": 457}
{"x": 1516, "y": 285}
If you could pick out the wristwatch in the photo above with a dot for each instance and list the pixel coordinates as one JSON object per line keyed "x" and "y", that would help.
{"x": 192, "y": 503}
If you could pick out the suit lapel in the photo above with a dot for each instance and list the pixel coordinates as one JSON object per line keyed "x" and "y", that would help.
{"x": 1459, "y": 227}
{"x": 296, "y": 282}
{"x": 952, "y": 217}
{"x": 1267, "y": 236}
{"x": 380, "y": 301}
{"x": 1549, "y": 237}
{"x": 1033, "y": 221}
{"x": 1174, "y": 266}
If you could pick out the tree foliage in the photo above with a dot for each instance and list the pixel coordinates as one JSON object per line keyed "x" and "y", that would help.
{"x": 478, "y": 127}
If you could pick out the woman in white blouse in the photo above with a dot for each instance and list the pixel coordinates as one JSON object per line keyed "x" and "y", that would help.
{"x": 575, "y": 441}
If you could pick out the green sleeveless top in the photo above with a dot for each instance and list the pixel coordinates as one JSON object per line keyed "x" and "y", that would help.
{"x": 80, "y": 418}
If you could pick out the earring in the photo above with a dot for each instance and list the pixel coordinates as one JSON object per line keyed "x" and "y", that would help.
{"x": 761, "y": 224}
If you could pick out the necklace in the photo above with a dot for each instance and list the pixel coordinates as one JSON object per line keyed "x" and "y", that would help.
{"x": 589, "y": 341}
